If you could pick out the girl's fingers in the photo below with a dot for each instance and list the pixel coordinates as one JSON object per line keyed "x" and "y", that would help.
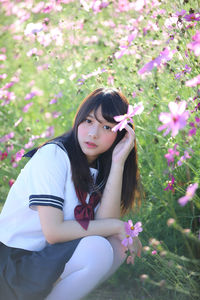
{"x": 130, "y": 134}
{"x": 130, "y": 130}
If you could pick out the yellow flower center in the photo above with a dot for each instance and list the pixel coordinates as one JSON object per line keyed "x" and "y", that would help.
{"x": 132, "y": 228}
{"x": 189, "y": 194}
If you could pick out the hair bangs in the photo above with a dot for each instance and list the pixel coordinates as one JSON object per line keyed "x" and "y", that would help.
{"x": 112, "y": 104}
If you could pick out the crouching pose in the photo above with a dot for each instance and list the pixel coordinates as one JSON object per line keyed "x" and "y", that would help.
{"x": 60, "y": 227}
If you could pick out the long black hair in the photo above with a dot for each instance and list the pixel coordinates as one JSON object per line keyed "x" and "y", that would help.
{"x": 112, "y": 103}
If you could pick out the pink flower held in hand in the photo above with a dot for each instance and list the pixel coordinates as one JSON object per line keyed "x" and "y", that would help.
{"x": 131, "y": 231}
{"x": 189, "y": 194}
{"x": 175, "y": 120}
{"x": 126, "y": 118}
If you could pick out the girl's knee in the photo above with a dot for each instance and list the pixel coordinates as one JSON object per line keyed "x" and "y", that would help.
{"x": 100, "y": 253}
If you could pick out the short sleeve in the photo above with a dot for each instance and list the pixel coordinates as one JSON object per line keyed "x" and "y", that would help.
{"x": 48, "y": 171}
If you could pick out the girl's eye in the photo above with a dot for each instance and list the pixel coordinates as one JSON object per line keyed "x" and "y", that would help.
{"x": 106, "y": 127}
{"x": 88, "y": 121}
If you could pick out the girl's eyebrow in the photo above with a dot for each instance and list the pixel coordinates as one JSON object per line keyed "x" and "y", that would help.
{"x": 91, "y": 116}
{"x": 100, "y": 121}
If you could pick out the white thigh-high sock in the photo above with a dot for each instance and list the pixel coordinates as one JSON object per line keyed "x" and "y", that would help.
{"x": 91, "y": 261}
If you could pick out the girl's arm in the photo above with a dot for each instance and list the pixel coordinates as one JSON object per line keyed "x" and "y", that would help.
{"x": 56, "y": 230}
{"x": 111, "y": 198}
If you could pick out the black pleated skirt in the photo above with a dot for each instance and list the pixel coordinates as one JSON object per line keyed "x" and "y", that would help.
{"x": 30, "y": 275}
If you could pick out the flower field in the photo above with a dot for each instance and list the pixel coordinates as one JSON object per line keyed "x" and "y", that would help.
{"x": 53, "y": 53}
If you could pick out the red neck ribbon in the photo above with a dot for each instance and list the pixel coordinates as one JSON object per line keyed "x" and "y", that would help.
{"x": 84, "y": 212}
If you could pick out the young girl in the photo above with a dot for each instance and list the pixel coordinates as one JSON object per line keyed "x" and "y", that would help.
{"x": 60, "y": 227}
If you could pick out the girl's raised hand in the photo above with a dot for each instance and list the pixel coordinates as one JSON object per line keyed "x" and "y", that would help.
{"x": 124, "y": 147}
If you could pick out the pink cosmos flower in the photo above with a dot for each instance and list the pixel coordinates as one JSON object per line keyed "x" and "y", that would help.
{"x": 27, "y": 106}
{"x": 189, "y": 194}
{"x": 131, "y": 231}
{"x": 11, "y": 181}
{"x": 2, "y": 57}
{"x": 195, "y": 46}
{"x": 193, "y": 82}
{"x": 123, "y": 5}
{"x": 33, "y": 28}
{"x": 3, "y": 155}
{"x": 124, "y": 119}
{"x": 192, "y": 17}
{"x": 3, "y": 76}
{"x": 175, "y": 120}
{"x": 193, "y": 130}
{"x": 7, "y": 137}
{"x": 139, "y": 5}
{"x": 154, "y": 252}
{"x": 164, "y": 56}
{"x": 18, "y": 122}
{"x": 110, "y": 80}
{"x": 171, "y": 153}
{"x": 30, "y": 95}
{"x": 30, "y": 144}
{"x": 19, "y": 154}
{"x": 170, "y": 185}
{"x": 125, "y": 44}
{"x": 181, "y": 13}
{"x": 187, "y": 69}
{"x": 183, "y": 158}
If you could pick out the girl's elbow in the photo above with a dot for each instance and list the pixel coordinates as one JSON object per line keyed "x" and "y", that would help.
{"x": 51, "y": 237}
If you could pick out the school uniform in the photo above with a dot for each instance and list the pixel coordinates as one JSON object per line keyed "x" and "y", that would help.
{"x": 29, "y": 266}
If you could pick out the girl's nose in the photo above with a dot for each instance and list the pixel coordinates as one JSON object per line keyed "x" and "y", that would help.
{"x": 93, "y": 132}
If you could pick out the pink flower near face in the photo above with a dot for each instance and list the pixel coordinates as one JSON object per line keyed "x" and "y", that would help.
{"x": 195, "y": 45}
{"x": 189, "y": 194}
{"x": 175, "y": 120}
{"x": 124, "y": 119}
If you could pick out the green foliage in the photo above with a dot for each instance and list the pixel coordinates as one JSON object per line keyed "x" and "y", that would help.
{"x": 78, "y": 58}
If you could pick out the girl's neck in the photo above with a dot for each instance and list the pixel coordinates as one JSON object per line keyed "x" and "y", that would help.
{"x": 94, "y": 164}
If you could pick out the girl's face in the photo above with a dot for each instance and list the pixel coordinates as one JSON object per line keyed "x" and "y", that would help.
{"x": 95, "y": 135}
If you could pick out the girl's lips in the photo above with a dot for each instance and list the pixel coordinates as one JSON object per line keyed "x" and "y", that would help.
{"x": 91, "y": 145}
